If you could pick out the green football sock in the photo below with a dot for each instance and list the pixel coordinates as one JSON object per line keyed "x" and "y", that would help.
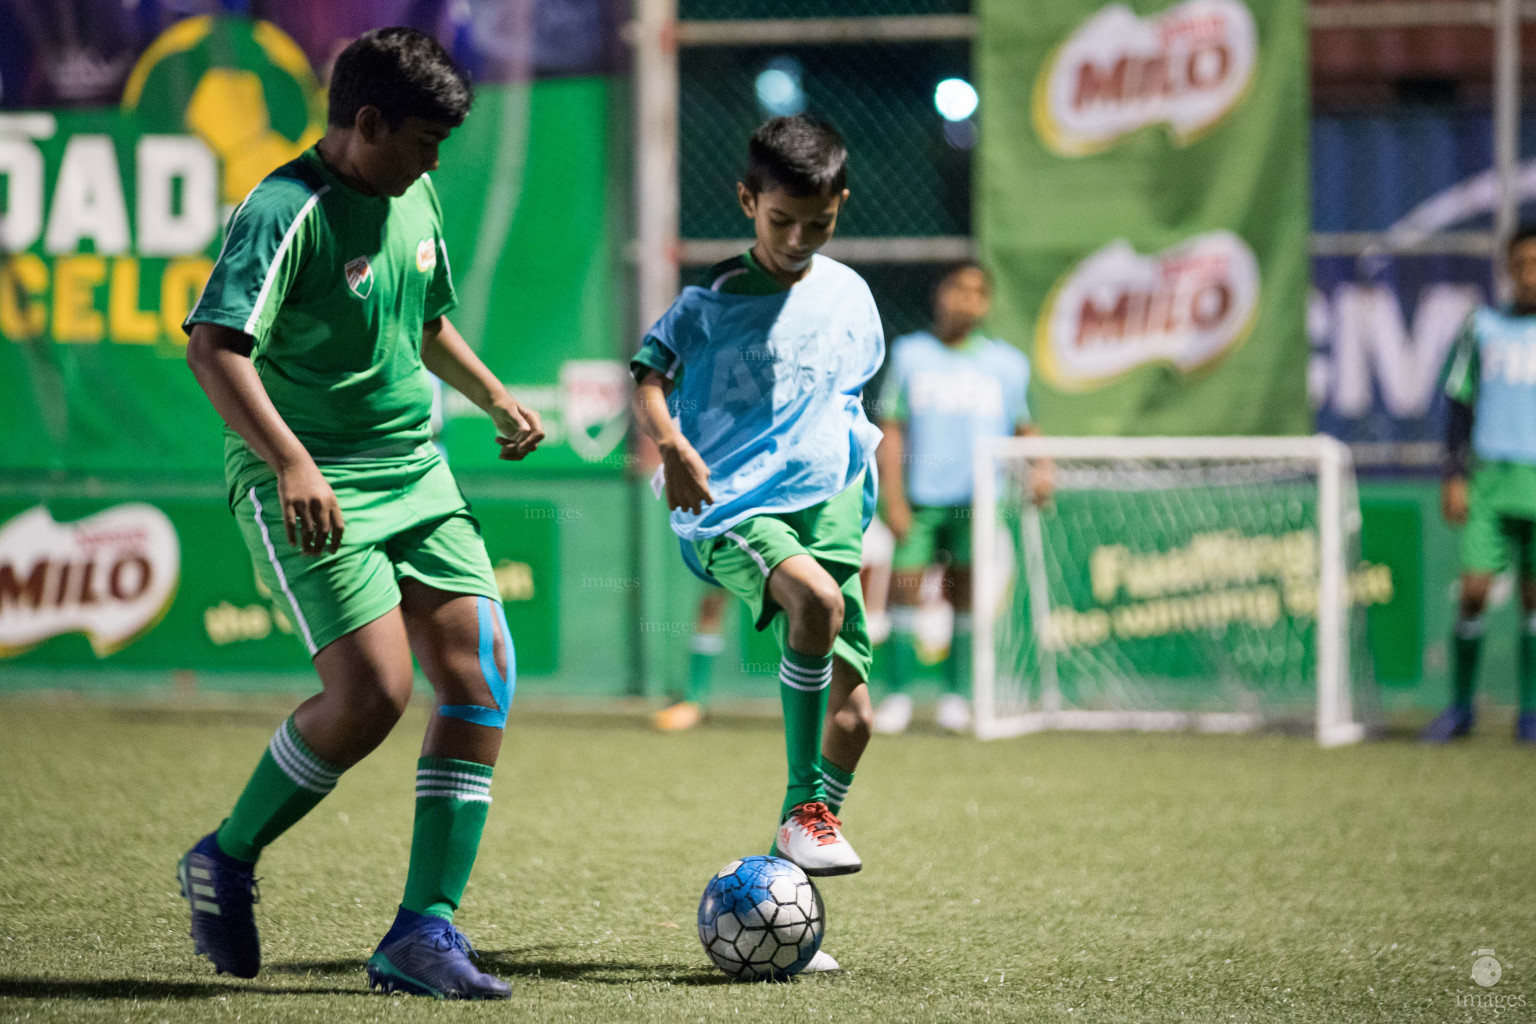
{"x": 836, "y": 782}
{"x": 903, "y": 648}
{"x": 286, "y": 785}
{"x": 1528, "y": 666}
{"x": 701, "y": 665}
{"x": 803, "y": 682}
{"x": 452, "y": 798}
{"x": 957, "y": 678}
{"x": 1467, "y": 644}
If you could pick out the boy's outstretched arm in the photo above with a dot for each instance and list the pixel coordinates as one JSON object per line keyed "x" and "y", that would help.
{"x": 447, "y": 355}
{"x": 220, "y": 358}
{"x": 687, "y": 478}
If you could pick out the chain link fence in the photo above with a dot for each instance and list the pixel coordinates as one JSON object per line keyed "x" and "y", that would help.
{"x": 909, "y": 169}
{"x": 905, "y": 176}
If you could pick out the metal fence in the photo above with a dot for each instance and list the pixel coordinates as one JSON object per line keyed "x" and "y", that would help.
{"x": 871, "y": 66}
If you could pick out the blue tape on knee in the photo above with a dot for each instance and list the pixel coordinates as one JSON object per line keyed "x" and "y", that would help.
{"x": 502, "y": 687}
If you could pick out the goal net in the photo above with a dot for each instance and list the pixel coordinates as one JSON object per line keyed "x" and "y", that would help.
{"x": 1167, "y": 583}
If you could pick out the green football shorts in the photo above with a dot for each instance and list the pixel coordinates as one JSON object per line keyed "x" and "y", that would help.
{"x": 831, "y": 532}
{"x": 1490, "y": 542}
{"x": 403, "y": 517}
{"x": 935, "y": 529}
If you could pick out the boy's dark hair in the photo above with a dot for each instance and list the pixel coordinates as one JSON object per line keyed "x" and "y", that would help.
{"x": 958, "y": 266}
{"x": 1524, "y": 233}
{"x": 403, "y": 72}
{"x": 803, "y": 155}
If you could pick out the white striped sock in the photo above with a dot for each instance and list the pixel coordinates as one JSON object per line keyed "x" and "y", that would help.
{"x": 799, "y": 678}
{"x": 453, "y": 785}
{"x": 304, "y": 769}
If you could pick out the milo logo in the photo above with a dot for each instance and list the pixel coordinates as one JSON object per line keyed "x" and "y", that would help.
{"x": 1116, "y": 310}
{"x": 110, "y": 576}
{"x": 1185, "y": 68}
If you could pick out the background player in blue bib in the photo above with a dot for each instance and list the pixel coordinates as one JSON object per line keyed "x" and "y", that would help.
{"x": 945, "y": 390}
{"x": 750, "y": 388}
{"x": 1490, "y": 381}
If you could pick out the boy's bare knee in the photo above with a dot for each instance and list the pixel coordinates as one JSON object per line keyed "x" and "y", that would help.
{"x": 820, "y": 611}
{"x": 855, "y": 720}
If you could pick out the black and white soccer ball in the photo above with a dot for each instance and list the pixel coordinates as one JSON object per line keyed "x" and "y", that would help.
{"x": 761, "y": 918}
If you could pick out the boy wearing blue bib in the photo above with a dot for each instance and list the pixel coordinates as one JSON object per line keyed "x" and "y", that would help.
{"x": 1490, "y": 381}
{"x": 750, "y": 388}
{"x": 945, "y": 390}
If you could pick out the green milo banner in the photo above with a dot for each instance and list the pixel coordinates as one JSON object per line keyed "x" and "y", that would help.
{"x": 113, "y": 215}
{"x": 1143, "y": 201}
{"x": 117, "y": 550}
{"x": 156, "y": 582}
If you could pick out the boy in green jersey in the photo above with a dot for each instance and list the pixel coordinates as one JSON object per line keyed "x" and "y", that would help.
{"x": 1490, "y": 481}
{"x": 313, "y": 339}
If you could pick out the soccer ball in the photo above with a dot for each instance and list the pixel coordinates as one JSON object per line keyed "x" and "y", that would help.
{"x": 761, "y": 918}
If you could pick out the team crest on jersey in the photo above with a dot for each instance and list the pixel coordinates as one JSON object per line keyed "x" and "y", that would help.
{"x": 360, "y": 276}
{"x": 426, "y": 255}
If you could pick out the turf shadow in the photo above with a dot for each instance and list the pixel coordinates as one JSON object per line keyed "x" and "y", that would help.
{"x": 142, "y": 988}
{"x": 345, "y": 965}
{"x": 510, "y": 964}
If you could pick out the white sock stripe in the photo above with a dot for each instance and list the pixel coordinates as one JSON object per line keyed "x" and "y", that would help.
{"x": 437, "y": 774}
{"x": 1469, "y": 629}
{"x": 800, "y": 686}
{"x": 904, "y": 618}
{"x": 829, "y": 780}
{"x": 295, "y": 743}
{"x": 305, "y": 763}
{"x": 963, "y": 622}
{"x": 708, "y": 643}
{"x": 294, "y": 769}
{"x": 451, "y": 794}
{"x": 806, "y": 673}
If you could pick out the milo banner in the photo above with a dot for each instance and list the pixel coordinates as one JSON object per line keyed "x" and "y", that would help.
{"x": 141, "y": 583}
{"x": 1144, "y": 204}
{"x": 128, "y": 132}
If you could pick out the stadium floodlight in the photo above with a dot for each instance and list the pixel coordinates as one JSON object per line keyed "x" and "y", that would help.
{"x": 778, "y": 87}
{"x": 955, "y": 99}
{"x": 1209, "y": 583}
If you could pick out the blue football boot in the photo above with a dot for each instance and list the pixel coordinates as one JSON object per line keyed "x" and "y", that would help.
{"x": 221, "y": 891}
{"x": 1451, "y": 724}
{"x": 1525, "y": 727}
{"x": 427, "y": 956}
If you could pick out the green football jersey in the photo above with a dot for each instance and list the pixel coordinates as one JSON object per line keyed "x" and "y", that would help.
{"x": 334, "y": 287}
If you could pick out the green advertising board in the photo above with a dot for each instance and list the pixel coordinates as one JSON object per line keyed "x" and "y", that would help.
{"x": 1143, "y": 202}
{"x": 165, "y": 583}
{"x": 113, "y": 217}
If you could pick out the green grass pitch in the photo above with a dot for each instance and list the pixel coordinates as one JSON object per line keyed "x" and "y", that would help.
{"x": 1057, "y": 878}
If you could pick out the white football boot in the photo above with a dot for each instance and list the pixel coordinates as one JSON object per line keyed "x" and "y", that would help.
{"x": 953, "y": 713}
{"x": 812, "y": 838}
{"x": 893, "y": 715}
{"x": 821, "y": 963}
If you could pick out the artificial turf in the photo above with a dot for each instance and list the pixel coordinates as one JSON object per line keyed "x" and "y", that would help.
{"x": 1060, "y": 877}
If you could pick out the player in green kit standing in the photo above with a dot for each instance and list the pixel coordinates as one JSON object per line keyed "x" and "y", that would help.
{"x": 768, "y": 465}
{"x": 1490, "y": 381}
{"x": 313, "y": 339}
{"x": 945, "y": 391}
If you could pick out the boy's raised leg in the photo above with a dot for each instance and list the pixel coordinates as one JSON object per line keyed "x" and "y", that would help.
{"x": 809, "y": 833}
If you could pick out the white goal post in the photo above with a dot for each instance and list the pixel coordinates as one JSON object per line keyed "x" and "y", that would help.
{"x": 1196, "y": 583}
